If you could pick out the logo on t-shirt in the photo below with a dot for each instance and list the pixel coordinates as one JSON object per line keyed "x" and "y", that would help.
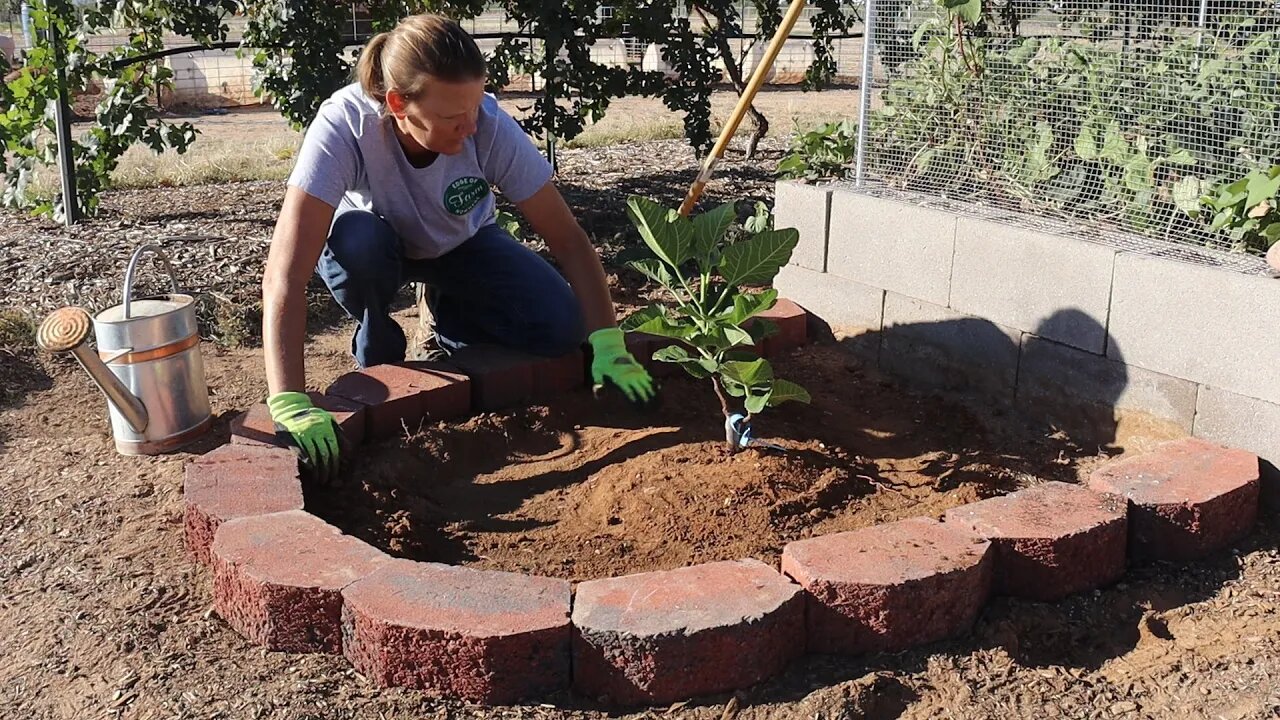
{"x": 464, "y": 194}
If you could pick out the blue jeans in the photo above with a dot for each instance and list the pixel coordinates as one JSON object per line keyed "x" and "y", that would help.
{"x": 488, "y": 290}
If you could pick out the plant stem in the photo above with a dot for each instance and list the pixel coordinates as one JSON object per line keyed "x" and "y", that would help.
{"x": 716, "y": 308}
{"x": 684, "y": 284}
{"x": 724, "y": 400}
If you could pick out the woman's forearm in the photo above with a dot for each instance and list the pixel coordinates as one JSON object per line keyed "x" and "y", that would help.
{"x": 299, "y": 237}
{"x": 583, "y": 270}
{"x": 284, "y": 329}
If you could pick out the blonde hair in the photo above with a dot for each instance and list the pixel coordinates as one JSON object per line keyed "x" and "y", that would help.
{"x": 420, "y": 47}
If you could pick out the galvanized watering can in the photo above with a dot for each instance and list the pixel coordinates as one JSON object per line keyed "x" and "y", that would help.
{"x": 148, "y": 364}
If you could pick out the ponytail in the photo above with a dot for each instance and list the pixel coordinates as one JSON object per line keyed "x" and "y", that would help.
{"x": 420, "y": 47}
{"x": 369, "y": 68}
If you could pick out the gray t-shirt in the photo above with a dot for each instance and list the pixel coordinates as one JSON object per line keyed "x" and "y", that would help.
{"x": 351, "y": 159}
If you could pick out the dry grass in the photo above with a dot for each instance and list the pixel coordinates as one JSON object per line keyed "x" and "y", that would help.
{"x": 17, "y": 330}
{"x": 211, "y": 159}
{"x": 259, "y": 145}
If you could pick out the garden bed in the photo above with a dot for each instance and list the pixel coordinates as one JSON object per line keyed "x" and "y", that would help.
{"x": 633, "y": 558}
{"x": 579, "y": 488}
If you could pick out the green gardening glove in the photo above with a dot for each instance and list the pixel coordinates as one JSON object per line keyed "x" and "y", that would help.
{"x": 611, "y": 363}
{"x": 311, "y": 429}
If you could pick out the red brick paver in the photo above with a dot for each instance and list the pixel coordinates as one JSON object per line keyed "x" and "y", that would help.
{"x": 277, "y": 579}
{"x": 1051, "y": 540}
{"x": 236, "y": 481}
{"x": 664, "y": 636}
{"x": 642, "y": 346}
{"x": 500, "y": 378}
{"x": 457, "y": 632}
{"x": 254, "y": 426}
{"x": 555, "y": 376}
{"x": 792, "y": 322}
{"x": 396, "y": 396}
{"x": 1187, "y": 498}
{"x": 890, "y": 587}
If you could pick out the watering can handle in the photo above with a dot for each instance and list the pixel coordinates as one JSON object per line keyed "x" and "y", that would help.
{"x": 133, "y": 263}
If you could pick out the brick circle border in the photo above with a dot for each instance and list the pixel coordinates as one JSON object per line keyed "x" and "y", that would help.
{"x": 286, "y": 580}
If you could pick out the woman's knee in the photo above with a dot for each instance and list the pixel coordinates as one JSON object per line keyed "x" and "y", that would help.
{"x": 364, "y": 246}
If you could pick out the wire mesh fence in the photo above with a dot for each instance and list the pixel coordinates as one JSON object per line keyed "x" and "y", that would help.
{"x": 1103, "y": 119}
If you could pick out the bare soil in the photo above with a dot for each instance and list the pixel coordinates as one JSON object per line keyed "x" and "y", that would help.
{"x": 102, "y": 613}
{"x": 585, "y": 488}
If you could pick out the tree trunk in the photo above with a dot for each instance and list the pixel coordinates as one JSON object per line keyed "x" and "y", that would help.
{"x": 760, "y": 124}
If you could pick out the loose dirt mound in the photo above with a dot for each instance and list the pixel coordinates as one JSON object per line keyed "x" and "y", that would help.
{"x": 583, "y": 488}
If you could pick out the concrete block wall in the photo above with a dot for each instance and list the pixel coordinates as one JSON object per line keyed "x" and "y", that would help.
{"x": 1077, "y": 333}
{"x": 212, "y": 78}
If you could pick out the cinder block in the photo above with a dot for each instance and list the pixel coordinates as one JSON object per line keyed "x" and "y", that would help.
{"x": 806, "y": 208}
{"x": 459, "y": 633}
{"x": 254, "y": 426}
{"x": 890, "y": 587}
{"x": 849, "y": 308}
{"x": 236, "y": 481}
{"x": 903, "y": 248}
{"x": 1080, "y": 391}
{"x": 1052, "y": 286}
{"x": 1187, "y": 498}
{"x": 277, "y": 579}
{"x": 659, "y": 637}
{"x": 1211, "y": 326}
{"x": 1051, "y": 539}
{"x": 935, "y": 346}
{"x": 1247, "y": 423}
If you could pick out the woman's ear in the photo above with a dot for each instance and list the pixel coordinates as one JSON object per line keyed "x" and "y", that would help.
{"x": 396, "y": 103}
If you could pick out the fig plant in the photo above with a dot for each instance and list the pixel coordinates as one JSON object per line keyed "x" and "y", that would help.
{"x": 714, "y": 275}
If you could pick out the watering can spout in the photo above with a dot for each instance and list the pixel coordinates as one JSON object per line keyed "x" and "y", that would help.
{"x": 66, "y": 330}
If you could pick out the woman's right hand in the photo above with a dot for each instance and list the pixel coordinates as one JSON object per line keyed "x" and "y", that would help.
{"x": 311, "y": 429}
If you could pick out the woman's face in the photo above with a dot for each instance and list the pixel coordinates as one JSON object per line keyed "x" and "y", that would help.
{"x": 440, "y": 118}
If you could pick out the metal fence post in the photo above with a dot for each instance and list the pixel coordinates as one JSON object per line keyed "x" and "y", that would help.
{"x": 864, "y": 92}
{"x": 26, "y": 25}
{"x": 62, "y": 121}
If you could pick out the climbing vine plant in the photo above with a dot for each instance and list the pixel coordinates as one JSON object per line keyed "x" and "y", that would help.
{"x": 1134, "y": 135}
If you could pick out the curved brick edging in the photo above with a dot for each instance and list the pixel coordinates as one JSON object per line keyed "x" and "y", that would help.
{"x": 478, "y": 635}
{"x": 278, "y": 579}
{"x": 1187, "y": 500}
{"x": 890, "y": 587}
{"x": 235, "y": 481}
{"x": 1051, "y": 540}
{"x": 658, "y": 637}
{"x": 287, "y": 580}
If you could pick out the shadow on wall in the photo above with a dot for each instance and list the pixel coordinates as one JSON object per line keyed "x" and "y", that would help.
{"x": 1047, "y": 383}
